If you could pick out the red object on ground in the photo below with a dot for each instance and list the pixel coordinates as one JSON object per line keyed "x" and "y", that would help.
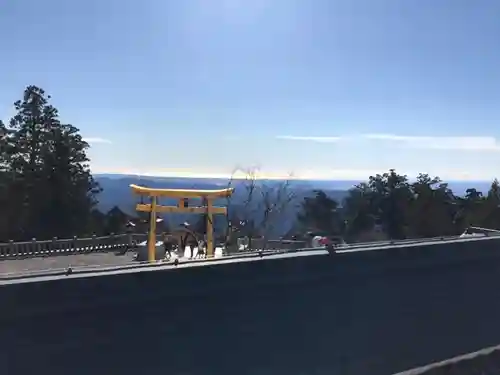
{"x": 324, "y": 241}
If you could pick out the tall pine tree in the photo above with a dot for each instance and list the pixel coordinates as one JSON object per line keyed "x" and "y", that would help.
{"x": 4, "y": 184}
{"x": 54, "y": 189}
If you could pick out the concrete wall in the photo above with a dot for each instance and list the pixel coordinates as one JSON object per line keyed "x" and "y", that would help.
{"x": 367, "y": 312}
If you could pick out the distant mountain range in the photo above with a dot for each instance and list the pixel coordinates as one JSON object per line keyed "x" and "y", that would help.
{"x": 117, "y": 192}
{"x": 116, "y": 188}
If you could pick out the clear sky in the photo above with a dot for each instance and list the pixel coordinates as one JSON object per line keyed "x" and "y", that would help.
{"x": 320, "y": 88}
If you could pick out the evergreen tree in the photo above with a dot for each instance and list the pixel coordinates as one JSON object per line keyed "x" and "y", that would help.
{"x": 72, "y": 188}
{"x": 358, "y": 211}
{"x": 53, "y": 192}
{"x": 4, "y": 185}
{"x": 116, "y": 221}
{"x": 24, "y": 154}
{"x": 319, "y": 213}
{"x": 432, "y": 209}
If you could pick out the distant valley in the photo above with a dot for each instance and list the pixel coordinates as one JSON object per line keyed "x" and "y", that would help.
{"x": 116, "y": 191}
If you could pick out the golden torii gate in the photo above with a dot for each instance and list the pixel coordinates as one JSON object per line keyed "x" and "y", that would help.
{"x": 183, "y": 195}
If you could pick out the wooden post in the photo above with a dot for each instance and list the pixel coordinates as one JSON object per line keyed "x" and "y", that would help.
{"x": 152, "y": 232}
{"x": 210, "y": 230}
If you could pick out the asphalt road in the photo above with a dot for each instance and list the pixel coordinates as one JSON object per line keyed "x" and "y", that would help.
{"x": 75, "y": 260}
{"x": 64, "y": 261}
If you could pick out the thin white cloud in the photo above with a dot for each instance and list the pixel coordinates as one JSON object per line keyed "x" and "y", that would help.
{"x": 310, "y": 139}
{"x": 441, "y": 143}
{"x": 467, "y": 143}
{"x": 96, "y": 140}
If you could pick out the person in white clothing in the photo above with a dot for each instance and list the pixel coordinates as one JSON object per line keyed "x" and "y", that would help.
{"x": 317, "y": 241}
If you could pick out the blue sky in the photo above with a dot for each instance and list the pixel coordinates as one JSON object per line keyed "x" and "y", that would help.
{"x": 320, "y": 88}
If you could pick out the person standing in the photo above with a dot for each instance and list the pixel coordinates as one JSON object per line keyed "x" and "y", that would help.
{"x": 167, "y": 245}
{"x": 188, "y": 239}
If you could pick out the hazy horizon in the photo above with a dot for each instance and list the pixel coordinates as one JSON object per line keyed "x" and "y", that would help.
{"x": 267, "y": 177}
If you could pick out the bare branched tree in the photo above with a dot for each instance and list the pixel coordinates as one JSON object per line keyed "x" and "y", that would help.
{"x": 262, "y": 206}
{"x": 238, "y": 214}
{"x": 275, "y": 203}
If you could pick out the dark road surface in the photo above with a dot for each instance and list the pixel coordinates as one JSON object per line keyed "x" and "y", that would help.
{"x": 64, "y": 261}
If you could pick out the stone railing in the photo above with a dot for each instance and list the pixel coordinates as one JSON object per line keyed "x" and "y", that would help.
{"x": 55, "y": 247}
{"x": 260, "y": 243}
{"x": 114, "y": 242}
